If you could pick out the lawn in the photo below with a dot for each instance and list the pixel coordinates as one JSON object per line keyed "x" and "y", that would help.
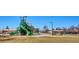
{"x": 45, "y": 39}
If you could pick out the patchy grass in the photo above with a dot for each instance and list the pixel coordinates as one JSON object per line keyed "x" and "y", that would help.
{"x": 47, "y": 39}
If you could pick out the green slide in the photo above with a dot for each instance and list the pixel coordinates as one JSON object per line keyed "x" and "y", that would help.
{"x": 27, "y": 32}
{"x": 23, "y": 29}
{"x": 14, "y": 33}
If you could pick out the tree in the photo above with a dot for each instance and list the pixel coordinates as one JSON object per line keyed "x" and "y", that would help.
{"x": 45, "y": 28}
{"x": 58, "y": 28}
{"x": 37, "y": 30}
{"x": 64, "y": 30}
{"x": 72, "y": 27}
{"x": 77, "y": 27}
{"x": 32, "y": 28}
{"x": 7, "y": 27}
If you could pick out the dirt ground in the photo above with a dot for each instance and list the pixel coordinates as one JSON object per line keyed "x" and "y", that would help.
{"x": 41, "y": 39}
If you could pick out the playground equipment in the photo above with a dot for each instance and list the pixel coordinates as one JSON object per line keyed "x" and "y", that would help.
{"x": 24, "y": 28}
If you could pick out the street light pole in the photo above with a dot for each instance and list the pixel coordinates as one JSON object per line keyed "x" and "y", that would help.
{"x": 52, "y": 27}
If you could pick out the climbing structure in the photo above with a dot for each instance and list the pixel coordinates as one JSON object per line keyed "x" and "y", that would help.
{"x": 24, "y": 28}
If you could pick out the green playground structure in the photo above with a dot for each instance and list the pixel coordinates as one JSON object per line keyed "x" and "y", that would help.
{"x": 23, "y": 29}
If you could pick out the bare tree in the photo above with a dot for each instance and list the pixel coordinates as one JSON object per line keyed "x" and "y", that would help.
{"x": 77, "y": 28}
{"x": 58, "y": 28}
{"x": 7, "y": 27}
{"x": 45, "y": 28}
{"x": 64, "y": 30}
{"x": 72, "y": 27}
{"x": 37, "y": 30}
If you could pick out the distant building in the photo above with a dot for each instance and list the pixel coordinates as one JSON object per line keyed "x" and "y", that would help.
{"x": 7, "y": 31}
{"x": 75, "y": 31}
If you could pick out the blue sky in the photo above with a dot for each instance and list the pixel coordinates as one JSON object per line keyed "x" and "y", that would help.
{"x": 40, "y": 21}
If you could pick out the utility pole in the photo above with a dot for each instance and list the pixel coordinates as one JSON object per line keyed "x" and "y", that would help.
{"x": 52, "y": 27}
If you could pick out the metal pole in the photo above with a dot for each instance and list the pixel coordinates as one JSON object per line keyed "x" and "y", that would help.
{"x": 52, "y": 27}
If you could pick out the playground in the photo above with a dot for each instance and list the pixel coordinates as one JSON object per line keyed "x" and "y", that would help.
{"x": 24, "y": 34}
{"x": 23, "y": 29}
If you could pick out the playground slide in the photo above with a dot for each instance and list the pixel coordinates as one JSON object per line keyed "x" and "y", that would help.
{"x": 23, "y": 28}
{"x": 14, "y": 33}
{"x": 26, "y": 30}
